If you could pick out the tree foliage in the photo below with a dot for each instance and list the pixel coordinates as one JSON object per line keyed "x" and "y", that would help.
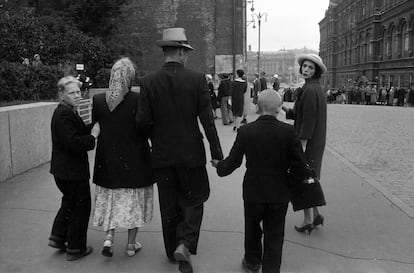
{"x": 56, "y": 38}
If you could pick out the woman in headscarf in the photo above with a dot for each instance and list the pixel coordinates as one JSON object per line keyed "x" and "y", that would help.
{"x": 122, "y": 173}
{"x": 309, "y": 115}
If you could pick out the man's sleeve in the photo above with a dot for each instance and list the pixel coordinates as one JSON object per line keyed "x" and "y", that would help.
{"x": 144, "y": 119}
{"x": 205, "y": 114}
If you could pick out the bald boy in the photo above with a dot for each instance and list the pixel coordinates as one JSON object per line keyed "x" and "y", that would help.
{"x": 271, "y": 147}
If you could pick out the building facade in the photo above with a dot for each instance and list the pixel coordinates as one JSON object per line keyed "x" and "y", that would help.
{"x": 368, "y": 40}
{"x": 282, "y": 62}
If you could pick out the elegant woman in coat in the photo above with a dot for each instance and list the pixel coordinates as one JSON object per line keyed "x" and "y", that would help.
{"x": 309, "y": 114}
{"x": 237, "y": 98}
{"x": 122, "y": 173}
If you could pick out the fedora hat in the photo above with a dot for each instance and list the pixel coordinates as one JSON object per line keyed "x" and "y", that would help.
{"x": 313, "y": 58}
{"x": 174, "y": 37}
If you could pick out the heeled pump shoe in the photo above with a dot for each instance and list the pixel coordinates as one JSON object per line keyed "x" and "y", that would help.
{"x": 308, "y": 228}
{"x": 318, "y": 220}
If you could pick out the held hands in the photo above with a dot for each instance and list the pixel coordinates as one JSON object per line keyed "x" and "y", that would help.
{"x": 96, "y": 130}
{"x": 214, "y": 162}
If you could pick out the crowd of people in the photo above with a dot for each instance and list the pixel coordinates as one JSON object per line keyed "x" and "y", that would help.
{"x": 370, "y": 94}
{"x": 154, "y": 137}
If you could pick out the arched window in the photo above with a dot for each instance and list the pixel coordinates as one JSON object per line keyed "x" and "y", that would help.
{"x": 394, "y": 39}
{"x": 390, "y": 39}
{"x": 405, "y": 46}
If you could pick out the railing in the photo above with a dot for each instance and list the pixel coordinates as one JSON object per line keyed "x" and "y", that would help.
{"x": 85, "y": 110}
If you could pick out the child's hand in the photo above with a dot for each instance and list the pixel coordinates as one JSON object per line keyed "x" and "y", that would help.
{"x": 214, "y": 162}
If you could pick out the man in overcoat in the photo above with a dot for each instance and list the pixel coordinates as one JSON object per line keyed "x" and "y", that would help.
{"x": 172, "y": 100}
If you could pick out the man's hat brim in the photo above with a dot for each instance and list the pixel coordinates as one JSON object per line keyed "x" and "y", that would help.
{"x": 162, "y": 43}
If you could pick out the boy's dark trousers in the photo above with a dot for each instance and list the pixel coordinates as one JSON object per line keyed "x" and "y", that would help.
{"x": 273, "y": 217}
{"x": 71, "y": 222}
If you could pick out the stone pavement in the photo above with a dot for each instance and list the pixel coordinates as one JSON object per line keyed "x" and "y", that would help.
{"x": 364, "y": 231}
{"x": 379, "y": 142}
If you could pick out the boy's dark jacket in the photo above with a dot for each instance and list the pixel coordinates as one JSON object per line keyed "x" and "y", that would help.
{"x": 271, "y": 148}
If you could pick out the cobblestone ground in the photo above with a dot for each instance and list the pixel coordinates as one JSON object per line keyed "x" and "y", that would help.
{"x": 379, "y": 141}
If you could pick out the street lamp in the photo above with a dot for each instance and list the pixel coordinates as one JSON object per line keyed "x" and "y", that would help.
{"x": 259, "y": 17}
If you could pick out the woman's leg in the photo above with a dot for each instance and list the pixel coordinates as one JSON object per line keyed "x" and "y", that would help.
{"x": 133, "y": 246}
{"x": 315, "y": 212}
{"x": 132, "y": 234}
{"x": 307, "y": 219}
{"x": 108, "y": 241}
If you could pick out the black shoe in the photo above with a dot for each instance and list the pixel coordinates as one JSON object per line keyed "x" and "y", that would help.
{"x": 54, "y": 244}
{"x": 185, "y": 267}
{"x": 181, "y": 253}
{"x": 249, "y": 268}
{"x": 308, "y": 227}
{"x": 318, "y": 220}
{"x": 77, "y": 256}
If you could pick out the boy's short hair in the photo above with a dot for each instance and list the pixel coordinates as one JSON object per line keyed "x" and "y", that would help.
{"x": 269, "y": 101}
{"x": 63, "y": 82}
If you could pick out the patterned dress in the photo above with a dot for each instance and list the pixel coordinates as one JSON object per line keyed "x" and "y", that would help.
{"x": 122, "y": 208}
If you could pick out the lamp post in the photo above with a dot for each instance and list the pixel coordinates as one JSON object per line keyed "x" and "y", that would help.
{"x": 259, "y": 17}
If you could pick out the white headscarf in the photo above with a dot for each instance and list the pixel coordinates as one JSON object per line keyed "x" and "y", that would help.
{"x": 122, "y": 77}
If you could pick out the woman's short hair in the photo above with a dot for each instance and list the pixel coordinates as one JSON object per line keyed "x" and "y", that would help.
{"x": 318, "y": 70}
{"x": 240, "y": 72}
{"x": 63, "y": 82}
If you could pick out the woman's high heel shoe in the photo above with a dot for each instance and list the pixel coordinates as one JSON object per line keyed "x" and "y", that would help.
{"x": 318, "y": 220}
{"x": 308, "y": 227}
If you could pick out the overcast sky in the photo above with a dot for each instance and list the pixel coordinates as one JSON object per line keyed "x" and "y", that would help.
{"x": 290, "y": 24}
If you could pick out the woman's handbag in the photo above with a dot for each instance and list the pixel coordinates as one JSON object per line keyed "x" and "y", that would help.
{"x": 305, "y": 193}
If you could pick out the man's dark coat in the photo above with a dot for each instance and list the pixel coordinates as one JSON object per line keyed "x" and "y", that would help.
{"x": 172, "y": 100}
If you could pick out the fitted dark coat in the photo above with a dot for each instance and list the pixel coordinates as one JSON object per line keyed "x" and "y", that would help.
{"x": 224, "y": 89}
{"x": 271, "y": 147}
{"x": 71, "y": 140}
{"x": 172, "y": 101}
{"x": 122, "y": 157}
{"x": 309, "y": 114}
{"x": 237, "y": 97}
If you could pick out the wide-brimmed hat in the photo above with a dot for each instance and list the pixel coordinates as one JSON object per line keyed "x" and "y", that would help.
{"x": 174, "y": 37}
{"x": 276, "y": 76}
{"x": 314, "y": 58}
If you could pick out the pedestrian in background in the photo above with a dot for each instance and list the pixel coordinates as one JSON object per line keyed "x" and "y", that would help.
{"x": 309, "y": 115}
{"x": 174, "y": 99}
{"x": 374, "y": 96}
{"x": 239, "y": 89}
{"x": 224, "y": 92}
{"x": 271, "y": 147}
{"x": 213, "y": 97}
{"x": 263, "y": 81}
{"x": 276, "y": 83}
{"x": 71, "y": 139}
{"x": 37, "y": 61}
{"x": 122, "y": 174}
{"x": 391, "y": 94}
{"x": 410, "y": 99}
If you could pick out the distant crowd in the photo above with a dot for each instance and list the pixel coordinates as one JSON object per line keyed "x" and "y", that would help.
{"x": 367, "y": 94}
